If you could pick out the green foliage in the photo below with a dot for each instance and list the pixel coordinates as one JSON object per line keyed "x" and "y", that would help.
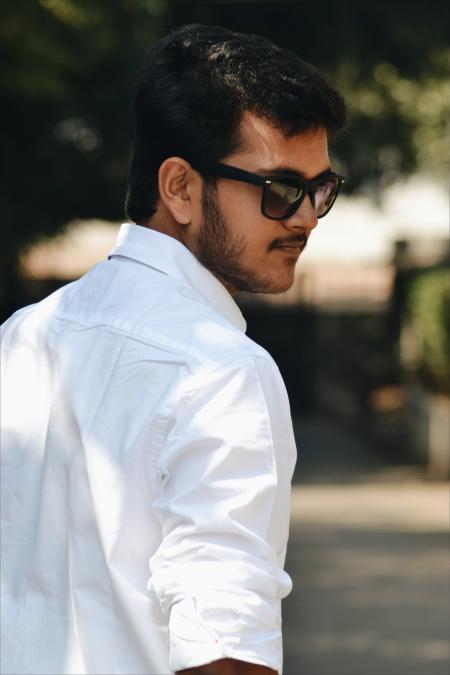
{"x": 69, "y": 68}
{"x": 429, "y": 311}
{"x": 390, "y": 60}
{"x": 67, "y": 83}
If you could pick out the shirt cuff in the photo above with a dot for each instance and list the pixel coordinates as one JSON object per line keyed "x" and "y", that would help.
{"x": 194, "y": 643}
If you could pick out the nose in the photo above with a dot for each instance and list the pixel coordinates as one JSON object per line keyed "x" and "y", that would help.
{"x": 304, "y": 218}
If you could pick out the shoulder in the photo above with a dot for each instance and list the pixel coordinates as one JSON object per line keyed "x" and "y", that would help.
{"x": 160, "y": 313}
{"x": 145, "y": 305}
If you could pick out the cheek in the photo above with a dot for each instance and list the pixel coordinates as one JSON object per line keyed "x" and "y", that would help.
{"x": 241, "y": 207}
{"x": 239, "y": 200}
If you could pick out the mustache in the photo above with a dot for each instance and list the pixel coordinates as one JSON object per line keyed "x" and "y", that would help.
{"x": 300, "y": 239}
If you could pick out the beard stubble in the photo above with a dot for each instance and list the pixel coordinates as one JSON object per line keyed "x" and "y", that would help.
{"x": 221, "y": 252}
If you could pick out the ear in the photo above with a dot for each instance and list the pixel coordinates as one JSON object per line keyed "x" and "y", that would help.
{"x": 178, "y": 185}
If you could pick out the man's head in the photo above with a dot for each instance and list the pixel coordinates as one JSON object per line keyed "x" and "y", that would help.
{"x": 210, "y": 96}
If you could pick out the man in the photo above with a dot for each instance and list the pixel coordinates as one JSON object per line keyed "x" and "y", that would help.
{"x": 148, "y": 445}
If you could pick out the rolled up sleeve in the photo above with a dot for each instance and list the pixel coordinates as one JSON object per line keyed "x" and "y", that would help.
{"x": 217, "y": 572}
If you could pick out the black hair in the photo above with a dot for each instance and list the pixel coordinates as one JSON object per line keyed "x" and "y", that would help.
{"x": 195, "y": 86}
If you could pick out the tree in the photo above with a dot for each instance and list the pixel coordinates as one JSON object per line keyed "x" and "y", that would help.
{"x": 68, "y": 83}
{"x": 68, "y": 79}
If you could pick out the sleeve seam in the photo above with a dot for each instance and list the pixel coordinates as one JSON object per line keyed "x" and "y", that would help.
{"x": 209, "y": 370}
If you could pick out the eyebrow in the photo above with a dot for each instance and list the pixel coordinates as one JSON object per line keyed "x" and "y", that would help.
{"x": 280, "y": 170}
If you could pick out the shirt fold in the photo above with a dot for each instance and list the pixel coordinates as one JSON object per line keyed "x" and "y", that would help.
{"x": 140, "y": 423}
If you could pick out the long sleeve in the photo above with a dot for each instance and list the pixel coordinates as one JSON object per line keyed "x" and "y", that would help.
{"x": 223, "y": 506}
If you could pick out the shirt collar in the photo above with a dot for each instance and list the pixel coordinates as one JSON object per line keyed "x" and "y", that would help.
{"x": 170, "y": 256}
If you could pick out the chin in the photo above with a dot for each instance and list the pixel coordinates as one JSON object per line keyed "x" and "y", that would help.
{"x": 255, "y": 282}
{"x": 279, "y": 285}
{"x": 284, "y": 282}
{"x": 280, "y": 288}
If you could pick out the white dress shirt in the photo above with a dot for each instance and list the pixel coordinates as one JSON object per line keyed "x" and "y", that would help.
{"x": 147, "y": 455}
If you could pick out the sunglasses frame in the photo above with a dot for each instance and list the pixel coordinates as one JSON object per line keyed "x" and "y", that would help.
{"x": 307, "y": 187}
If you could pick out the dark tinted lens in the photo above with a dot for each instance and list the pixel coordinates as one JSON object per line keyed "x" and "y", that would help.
{"x": 325, "y": 195}
{"x": 279, "y": 196}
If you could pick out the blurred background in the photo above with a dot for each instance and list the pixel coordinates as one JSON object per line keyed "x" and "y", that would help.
{"x": 363, "y": 337}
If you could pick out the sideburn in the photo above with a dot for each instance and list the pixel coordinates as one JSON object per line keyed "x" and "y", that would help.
{"x": 220, "y": 252}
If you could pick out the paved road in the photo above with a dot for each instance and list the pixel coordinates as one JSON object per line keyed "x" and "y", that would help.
{"x": 369, "y": 556}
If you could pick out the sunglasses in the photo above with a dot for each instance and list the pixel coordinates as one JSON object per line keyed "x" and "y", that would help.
{"x": 282, "y": 194}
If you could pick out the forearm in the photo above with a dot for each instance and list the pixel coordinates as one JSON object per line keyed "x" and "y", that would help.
{"x": 229, "y": 667}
